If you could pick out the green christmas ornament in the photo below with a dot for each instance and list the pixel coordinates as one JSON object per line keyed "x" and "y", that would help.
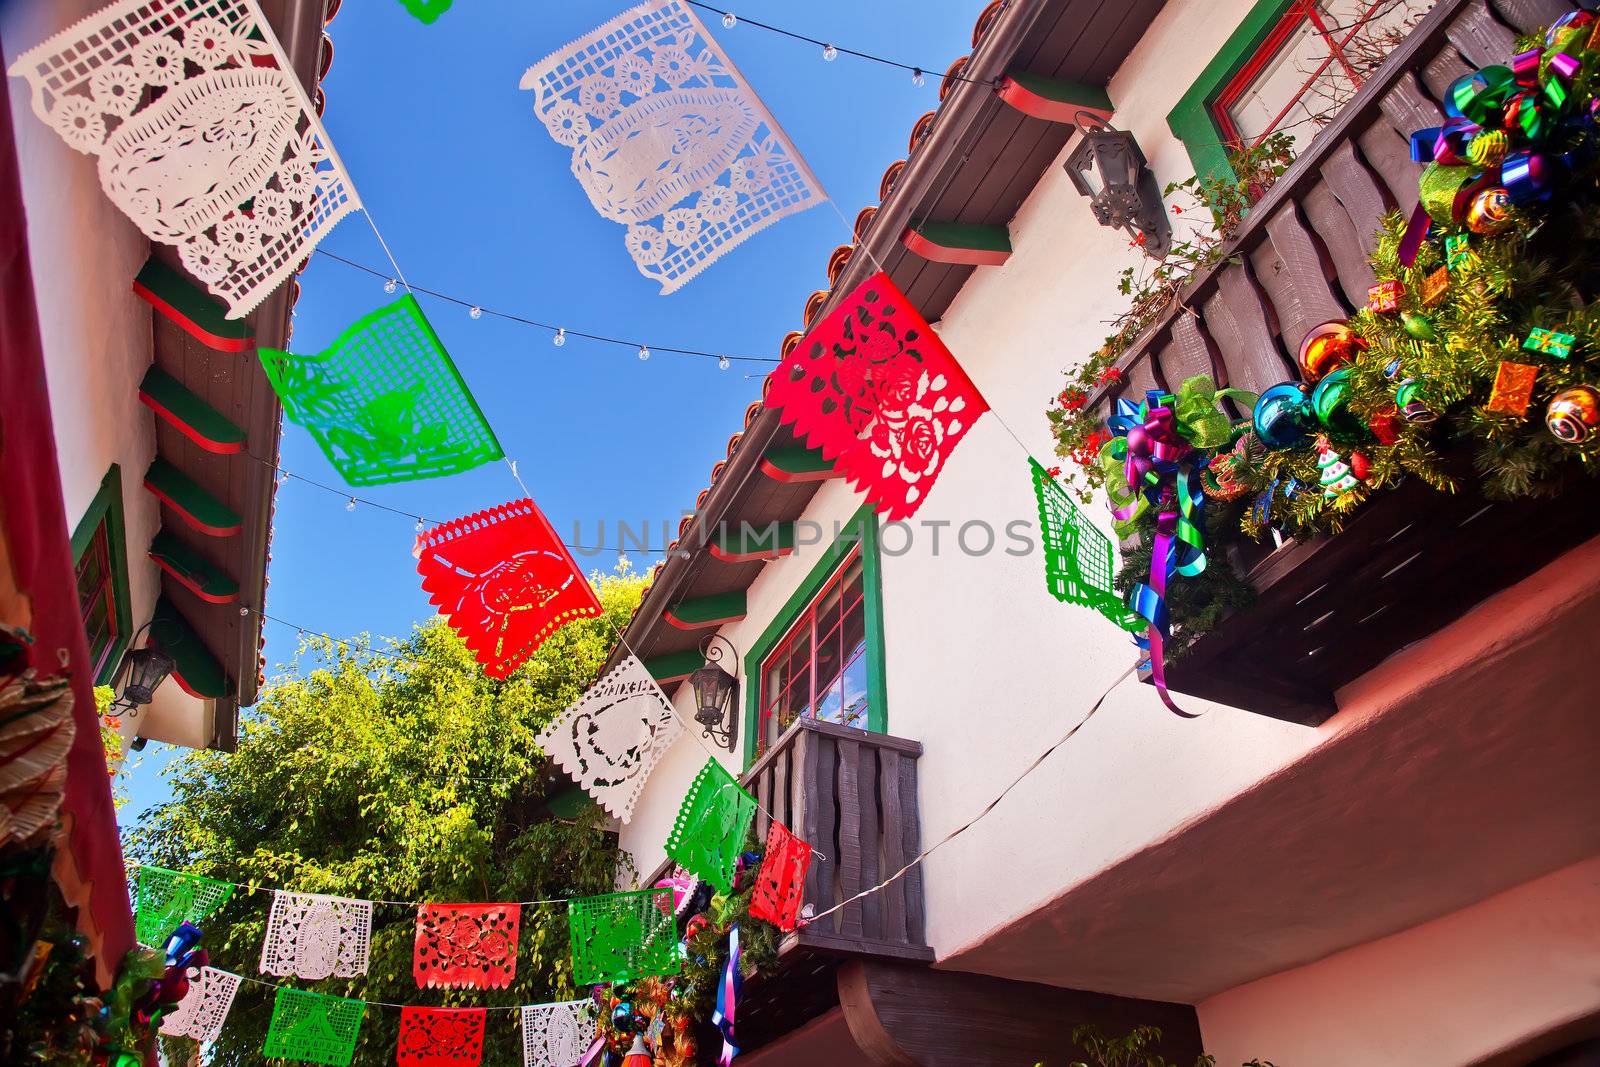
{"x": 1331, "y": 402}
{"x": 708, "y": 835}
{"x": 1336, "y": 477}
{"x": 1418, "y": 326}
{"x": 1411, "y": 398}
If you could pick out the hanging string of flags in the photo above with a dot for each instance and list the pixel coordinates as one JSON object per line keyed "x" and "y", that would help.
{"x": 669, "y": 139}
{"x": 194, "y": 112}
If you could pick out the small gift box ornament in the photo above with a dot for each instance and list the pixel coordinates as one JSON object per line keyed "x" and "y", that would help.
{"x": 1434, "y": 286}
{"x": 1457, "y": 252}
{"x": 1384, "y": 298}
{"x": 1550, "y": 342}
{"x": 1513, "y": 388}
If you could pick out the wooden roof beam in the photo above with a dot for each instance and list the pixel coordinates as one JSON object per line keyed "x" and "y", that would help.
{"x": 703, "y": 612}
{"x": 198, "y": 509}
{"x": 197, "y": 672}
{"x": 965, "y": 243}
{"x": 176, "y": 298}
{"x": 674, "y": 667}
{"x": 193, "y": 417}
{"x": 192, "y": 570}
{"x": 790, "y": 465}
{"x": 751, "y": 543}
{"x": 1054, "y": 99}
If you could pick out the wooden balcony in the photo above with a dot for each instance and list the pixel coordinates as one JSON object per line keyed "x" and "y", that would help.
{"x": 1411, "y": 560}
{"x": 853, "y": 795}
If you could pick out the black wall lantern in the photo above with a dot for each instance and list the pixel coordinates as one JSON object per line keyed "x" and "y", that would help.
{"x": 1108, "y": 168}
{"x": 147, "y": 668}
{"x": 716, "y": 694}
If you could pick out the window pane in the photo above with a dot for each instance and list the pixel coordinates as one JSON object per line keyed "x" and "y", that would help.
{"x": 804, "y": 675}
{"x": 853, "y": 683}
{"x": 1301, "y": 78}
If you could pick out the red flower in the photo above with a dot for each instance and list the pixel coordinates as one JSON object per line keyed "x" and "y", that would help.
{"x": 1054, "y": 472}
{"x": 1137, "y": 242}
{"x": 1072, "y": 399}
{"x": 1177, "y": 210}
{"x": 1109, "y": 375}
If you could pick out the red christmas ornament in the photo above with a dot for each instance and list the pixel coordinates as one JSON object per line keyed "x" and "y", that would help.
{"x": 875, "y": 389}
{"x": 1385, "y": 426}
{"x": 695, "y": 924}
{"x": 463, "y": 946}
{"x": 1328, "y": 347}
{"x": 440, "y": 1037}
{"x": 1360, "y": 465}
{"x": 504, "y": 581}
{"x": 781, "y": 881}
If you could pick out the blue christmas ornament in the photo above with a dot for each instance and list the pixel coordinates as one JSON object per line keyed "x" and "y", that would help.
{"x": 1283, "y": 417}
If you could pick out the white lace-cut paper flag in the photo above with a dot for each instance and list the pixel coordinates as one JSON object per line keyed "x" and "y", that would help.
{"x": 313, "y": 936}
{"x": 205, "y": 137}
{"x": 610, "y": 739}
{"x": 668, "y": 139}
{"x": 557, "y": 1035}
{"x": 202, "y": 1011}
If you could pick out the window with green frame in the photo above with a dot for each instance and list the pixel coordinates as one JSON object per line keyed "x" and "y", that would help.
{"x": 821, "y": 656}
{"x": 1287, "y": 69}
{"x": 100, "y": 556}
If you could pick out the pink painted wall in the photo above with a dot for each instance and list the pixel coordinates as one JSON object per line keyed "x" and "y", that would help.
{"x": 1480, "y": 981}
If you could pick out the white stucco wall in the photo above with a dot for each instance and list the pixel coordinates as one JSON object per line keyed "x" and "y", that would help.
{"x": 1483, "y": 980}
{"x": 96, "y": 333}
{"x": 984, "y": 667}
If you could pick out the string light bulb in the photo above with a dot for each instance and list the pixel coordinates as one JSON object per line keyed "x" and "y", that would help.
{"x": 723, "y": 363}
{"x": 390, "y": 286}
{"x": 644, "y": 352}
{"x": 729, "y": 20}
{"x": 351, "y": 504}
{"x": 244, "y": 612}
{"x": 560, "y": 338}
{"x": 829, "y": 53}
{"x": 916, "y": 77}
{"x": 420, "y": 524}
{"x": 476, "y": 312}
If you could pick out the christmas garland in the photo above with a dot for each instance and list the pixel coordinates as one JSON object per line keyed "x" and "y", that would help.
{"x": 1478, "y": 336}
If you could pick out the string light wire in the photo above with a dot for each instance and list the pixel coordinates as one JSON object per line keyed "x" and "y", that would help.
{"x": 554, "y": 329}
{"x": 827, "y": 46}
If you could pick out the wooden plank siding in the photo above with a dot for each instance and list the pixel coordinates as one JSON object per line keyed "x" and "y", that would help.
{"x": 1329, "y": 610}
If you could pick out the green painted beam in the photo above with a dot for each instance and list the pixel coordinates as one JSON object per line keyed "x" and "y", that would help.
{"x": 745, "y": 545}
{"x": 189, "y": 567}
{"x": 569, "y": 803}
{"x": 674, "y": 666}
{"x": 1053, "y": 99}
{"x": 198, "y": 673}
{"x": 962, "y": 243}
{"x": 706, "y": 611}
{"x": 193, "y": 417}
{"x": 178, "y": 299}
{"x": 198, "y": 508}
{"x": 796, "y": 465}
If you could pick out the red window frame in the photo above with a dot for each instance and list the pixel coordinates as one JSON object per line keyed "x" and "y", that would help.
{"x": 1299, "y": 12}
{"x": 804, "y": 627}
{"x": 103, "y": 592}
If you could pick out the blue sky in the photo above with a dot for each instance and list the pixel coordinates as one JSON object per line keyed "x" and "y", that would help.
{"x": 475, "y": 200}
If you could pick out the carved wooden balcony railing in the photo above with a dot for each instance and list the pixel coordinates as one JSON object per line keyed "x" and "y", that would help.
{"x": 853, "y": 795}
{"x": 1410, "y": 560}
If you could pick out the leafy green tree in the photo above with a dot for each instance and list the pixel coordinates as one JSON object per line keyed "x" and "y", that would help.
{"x": 396, "y": 771}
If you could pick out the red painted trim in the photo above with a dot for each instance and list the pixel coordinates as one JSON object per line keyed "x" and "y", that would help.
{"x": 747, "y": 557}
{"x": 675, "y": 621}
{"x": 193, "y": 587}
{"x": 1041, "y": 107}
{"x": 188, "y": 517}
{"x": 791, "y": 478}
{"x": 221, "y": 448}
{"x": 192, "y": 328}
{"x": 937, "y": 253}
